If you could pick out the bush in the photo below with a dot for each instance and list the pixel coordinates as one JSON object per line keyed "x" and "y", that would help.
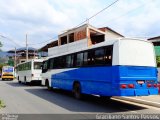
{"x": 2, "y": 105}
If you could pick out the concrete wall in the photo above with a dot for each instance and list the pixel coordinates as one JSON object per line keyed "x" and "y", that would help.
{"x": 111, "y": 35}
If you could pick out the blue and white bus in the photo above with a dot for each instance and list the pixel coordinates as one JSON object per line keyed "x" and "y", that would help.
{"x": 120, "y": 67}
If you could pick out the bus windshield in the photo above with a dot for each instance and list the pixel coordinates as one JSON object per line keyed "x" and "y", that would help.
{"x": 37, "y": 65}
{"x": 7, "y": 69}
{"x": 136, "y": 53}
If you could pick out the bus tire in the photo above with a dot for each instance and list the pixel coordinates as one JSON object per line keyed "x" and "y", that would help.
{"x": 19, "y": 80}
{"x": 47, "y": 84}
{"x": 77, "y": 90}
{"x": 25, "y": 80}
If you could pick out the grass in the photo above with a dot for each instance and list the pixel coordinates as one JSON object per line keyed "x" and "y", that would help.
{"x": 2, "y": 105}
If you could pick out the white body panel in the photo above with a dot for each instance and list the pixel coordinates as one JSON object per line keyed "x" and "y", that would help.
{"x": 30, "y": 75}
{"x": 134, "y": 53}
{"x": 46, "y": 76}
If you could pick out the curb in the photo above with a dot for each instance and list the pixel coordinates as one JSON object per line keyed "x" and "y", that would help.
{"x": 136, "y": 100}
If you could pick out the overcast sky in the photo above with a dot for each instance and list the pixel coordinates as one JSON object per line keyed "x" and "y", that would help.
{"x": 45, "y": 19}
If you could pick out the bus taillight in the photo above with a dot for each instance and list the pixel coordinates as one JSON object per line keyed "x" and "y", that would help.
{"x": 155, "y": 85}
{"x": 123, "y": 86}
{"x": 149, "y": 85}
{"x": 130, "y": 85}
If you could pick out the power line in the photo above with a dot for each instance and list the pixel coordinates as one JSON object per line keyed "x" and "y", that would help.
{"x": 116, "y": 18}
{"x": 10, "y": 40}
{"x": 82, "y": 22}
{"x": 98, "y": 12}
{"x": 44, "y": 41}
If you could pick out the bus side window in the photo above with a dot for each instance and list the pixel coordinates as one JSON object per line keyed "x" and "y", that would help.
{"x": 69, "y": 61}
{"x": 99, "y": 56}
{"x": 29, "y": 65}
{"x": 48, "y": 64}
{"x": 79, "y": 61}
{"x": 74, "y": 59}
{"x": 55, "y": 64}
{"x": 85, "y": 59}
{"x": 90, "y": 60}
{"x": 108, "y": 55}
{"x": 63, "y": 61}
{"x": 44, "y": 68}
{"x": 51, "y": 63}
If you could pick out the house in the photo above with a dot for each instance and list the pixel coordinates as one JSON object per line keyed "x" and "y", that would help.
{"x": 79, "y": 37}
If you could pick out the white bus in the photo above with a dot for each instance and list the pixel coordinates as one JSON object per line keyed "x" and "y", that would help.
{"x": 7, "y": 73}
{"x": 30, "y": 71}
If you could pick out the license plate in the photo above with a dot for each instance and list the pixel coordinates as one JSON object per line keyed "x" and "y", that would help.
{"x": 140, "y": 82}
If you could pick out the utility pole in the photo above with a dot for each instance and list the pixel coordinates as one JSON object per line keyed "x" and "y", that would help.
{"x": 15, "y": 61}
{"x": 15, "y": 57}
{"x": 34, "y": 53}
{"x": 26, "y": 48}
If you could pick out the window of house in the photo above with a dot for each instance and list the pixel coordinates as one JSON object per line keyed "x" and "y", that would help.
{"x": 71, "y": 37}
{"x": 63, "y": 40}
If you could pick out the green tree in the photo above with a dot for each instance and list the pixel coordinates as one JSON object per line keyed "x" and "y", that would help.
{"x": 11, "y": 62}
{"x": 158, "y": 61}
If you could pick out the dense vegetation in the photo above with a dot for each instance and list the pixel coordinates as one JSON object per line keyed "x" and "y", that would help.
{"x": 2, "y": 105}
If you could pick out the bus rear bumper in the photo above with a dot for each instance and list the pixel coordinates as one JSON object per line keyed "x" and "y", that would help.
{"x": 137, "y": 92}
{"x": 7, "y": 78}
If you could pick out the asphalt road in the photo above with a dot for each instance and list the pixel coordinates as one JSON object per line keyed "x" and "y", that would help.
{"x": 24, "y": 99}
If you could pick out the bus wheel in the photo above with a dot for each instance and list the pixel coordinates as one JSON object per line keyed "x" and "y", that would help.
{"x": 25, "y": 80}
{"x": 77, "y": 91}
{"x": 47, "y": 84}
{"x": 19, "y": 80}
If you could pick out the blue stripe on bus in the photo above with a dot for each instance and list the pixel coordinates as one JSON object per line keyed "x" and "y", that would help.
{"x": 106, "y": 80}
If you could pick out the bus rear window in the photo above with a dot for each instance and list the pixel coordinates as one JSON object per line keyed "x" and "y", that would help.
{"x": 37, "y": 65}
